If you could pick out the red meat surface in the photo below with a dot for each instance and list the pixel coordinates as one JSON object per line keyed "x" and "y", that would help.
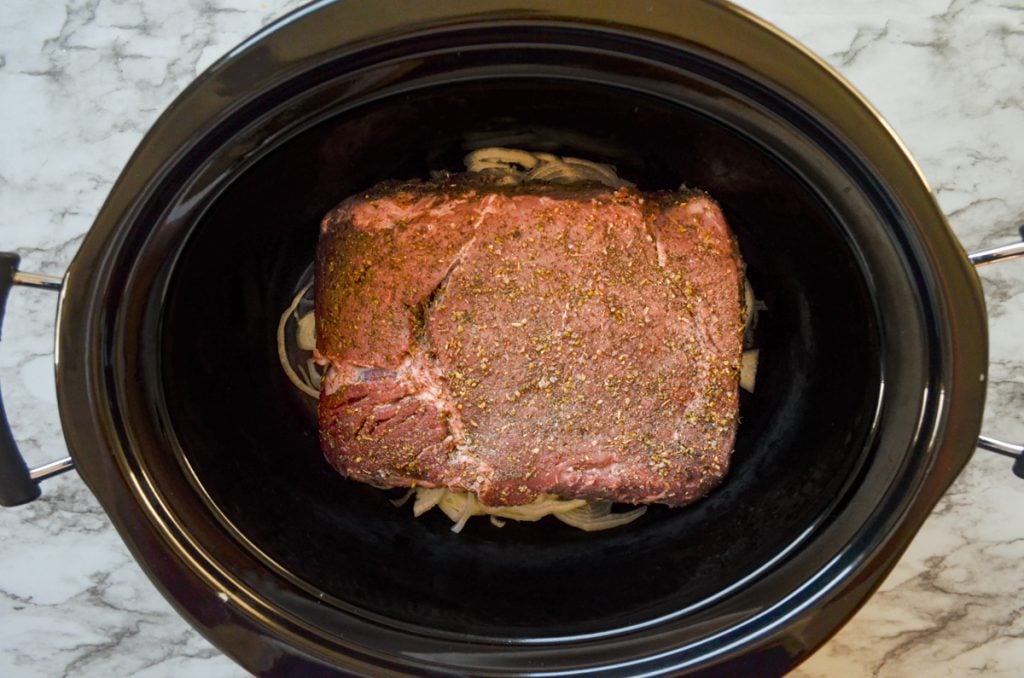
{"x": 512, "y": 341}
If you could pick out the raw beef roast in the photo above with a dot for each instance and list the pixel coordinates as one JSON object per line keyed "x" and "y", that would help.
{"x": 512, "y": 341}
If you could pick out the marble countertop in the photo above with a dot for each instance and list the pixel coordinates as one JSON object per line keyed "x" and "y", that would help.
{"x": 82, "y": 80}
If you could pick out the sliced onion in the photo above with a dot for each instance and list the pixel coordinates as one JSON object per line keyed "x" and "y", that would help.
{"x": 544, "y": 505}
{"x": 513, "y": 166}
{"x": 315, "y": 377}
{"x": 401, "y": 501}
{"x": 282, "y": 353}
{"x": 497, "y": 157}
{"x": 469, "y": 509}
{"x": 453, "y": 504}
{"x": 748, "y": 369}
{"x": 305, "y": 337}
{"x": 590, "y": 519}
{"x": 426, "y": 499}
{"x": 596, "y": 171}
{"x": 461, "y": 506}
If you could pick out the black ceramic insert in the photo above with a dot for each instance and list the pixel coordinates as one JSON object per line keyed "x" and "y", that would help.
{"x": 251, "y": 437}
{"x": 206, "y": 458}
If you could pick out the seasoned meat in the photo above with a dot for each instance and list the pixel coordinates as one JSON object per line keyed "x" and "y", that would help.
{"x": 540, "y": 338}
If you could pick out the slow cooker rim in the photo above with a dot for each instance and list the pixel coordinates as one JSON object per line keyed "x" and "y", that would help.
{"x": 84, "y": 373}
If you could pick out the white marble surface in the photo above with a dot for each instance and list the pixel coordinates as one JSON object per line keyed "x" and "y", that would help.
{"x": 80, "y": 82}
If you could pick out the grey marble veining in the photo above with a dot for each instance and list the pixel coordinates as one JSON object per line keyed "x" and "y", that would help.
{"x": 80, "y": 83}
{"x": 949, "y": 78}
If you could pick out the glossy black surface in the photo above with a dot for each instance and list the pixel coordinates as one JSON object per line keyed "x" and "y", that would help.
{"x": 254, "y": 448}
{"x": 16, "y": 485}
{"x": 184, "y": 426}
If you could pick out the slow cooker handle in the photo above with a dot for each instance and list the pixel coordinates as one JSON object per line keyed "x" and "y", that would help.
{"x": 18, "y": 483}
{"x": 993, "y": 256}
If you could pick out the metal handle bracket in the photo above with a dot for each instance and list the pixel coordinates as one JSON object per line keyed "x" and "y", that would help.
{"x": 18, "y": 483}
{"x": 996, "y": 255}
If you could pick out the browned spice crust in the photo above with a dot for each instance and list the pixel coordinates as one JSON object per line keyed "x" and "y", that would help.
{"x": 513, "y": 341}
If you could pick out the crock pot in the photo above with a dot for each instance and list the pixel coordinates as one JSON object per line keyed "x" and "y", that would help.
{"x": 178, "y": 417}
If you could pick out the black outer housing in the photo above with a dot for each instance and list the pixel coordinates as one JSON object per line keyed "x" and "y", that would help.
{"x": 123, "y": 414}
{"x": 16, "y": 485}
